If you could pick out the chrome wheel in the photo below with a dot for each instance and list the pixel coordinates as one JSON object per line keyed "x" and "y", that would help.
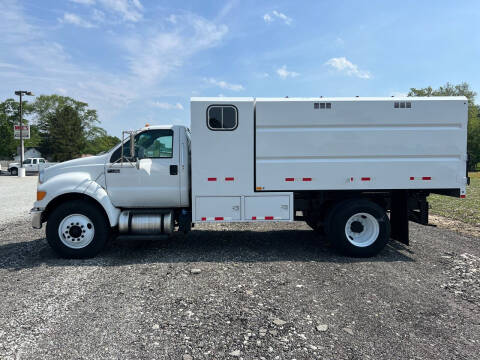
{"x": 76, "y": 231}
{"x": 362, "y": 229}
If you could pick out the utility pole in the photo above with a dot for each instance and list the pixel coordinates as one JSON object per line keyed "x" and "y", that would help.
{"x": 20, "y": 93}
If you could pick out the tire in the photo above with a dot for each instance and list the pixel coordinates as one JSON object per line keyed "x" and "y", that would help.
{"x": 83, "y": 226}
{"x": 358, "y": 227}
{"x": 14, "y": 171}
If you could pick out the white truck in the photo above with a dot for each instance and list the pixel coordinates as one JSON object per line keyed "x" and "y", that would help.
{"x": 355, "y": 169}
{"x": 30, "y": 165}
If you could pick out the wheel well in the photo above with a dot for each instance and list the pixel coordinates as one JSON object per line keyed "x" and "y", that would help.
{"x": 322, "y": 204}
{"x": 71, "y": 197}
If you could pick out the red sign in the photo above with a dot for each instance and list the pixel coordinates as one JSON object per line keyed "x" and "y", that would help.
{"x": 25, "y": 131}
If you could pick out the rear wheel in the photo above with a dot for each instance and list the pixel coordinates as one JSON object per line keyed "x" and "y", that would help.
{"x": 77, "y": 229}
{"x": 358, "y": 227}
{"x": 14, "y": 171}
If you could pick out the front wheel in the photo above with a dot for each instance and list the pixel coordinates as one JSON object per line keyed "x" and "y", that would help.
{"x": 358, "y": 227}
{"x": 77, "y": 229}
{"x": 14, "y": 171}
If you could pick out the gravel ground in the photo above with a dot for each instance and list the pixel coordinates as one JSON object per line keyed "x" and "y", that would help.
{"x": 16, "y": 197}
{"x": 271, "y": 291}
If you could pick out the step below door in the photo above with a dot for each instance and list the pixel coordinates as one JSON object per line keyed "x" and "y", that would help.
{"x": 267, "y": 207}
{"x": 217, "y": 208}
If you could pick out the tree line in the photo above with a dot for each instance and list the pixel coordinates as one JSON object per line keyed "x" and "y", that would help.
{"x": 60, "y": 127}
{"x": 63, "y": 128}
{"x": 473, "y": 130}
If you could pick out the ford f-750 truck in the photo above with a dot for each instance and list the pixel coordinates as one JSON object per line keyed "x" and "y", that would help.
{"x": 355, "y": 169}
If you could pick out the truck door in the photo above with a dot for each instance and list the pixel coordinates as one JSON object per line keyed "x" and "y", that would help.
{"x": 30, "y": 165}
{"x": 156, "y": 182}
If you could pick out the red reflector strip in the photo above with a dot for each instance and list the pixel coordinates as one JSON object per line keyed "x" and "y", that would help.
{"x": 366, "y": 179}
{"x": 268, "y": 217}
{"x": 289, "y": 179}
{"x": 229, "y": 179}
{"x": 212, "y": 179}
{"x": 427, "y": 178}
{"x": 219, "y": 218}
{"x": 412, "y": 178}
{"x": 204, "y": 219}
{"x": 254, "y": 218}
{"x": 463, "y": 196}
{"x": 307, "y": 179}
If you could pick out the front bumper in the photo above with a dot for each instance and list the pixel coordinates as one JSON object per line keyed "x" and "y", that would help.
{"x": 36, "y": 218}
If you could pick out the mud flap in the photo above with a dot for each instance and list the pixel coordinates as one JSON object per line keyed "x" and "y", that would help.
{"x": 399, "y": 216}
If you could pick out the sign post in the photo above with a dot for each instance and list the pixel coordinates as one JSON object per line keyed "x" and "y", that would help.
{"x": 21, "y": 171}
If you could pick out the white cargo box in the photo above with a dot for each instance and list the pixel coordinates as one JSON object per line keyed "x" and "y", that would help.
{"x": 361, "y": 143}
{"x": 278, "y": 146}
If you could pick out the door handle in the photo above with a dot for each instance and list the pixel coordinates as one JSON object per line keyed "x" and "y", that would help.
{"x": 113, "y": 171}
{"x": 173, "y": 169}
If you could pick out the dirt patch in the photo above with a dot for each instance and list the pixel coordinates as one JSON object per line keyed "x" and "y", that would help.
{"x": 455, "y": 225}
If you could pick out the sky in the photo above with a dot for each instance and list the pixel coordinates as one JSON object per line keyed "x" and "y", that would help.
{"x": 140, "y": 61}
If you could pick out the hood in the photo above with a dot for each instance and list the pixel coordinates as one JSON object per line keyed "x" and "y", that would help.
{"x": 93, "y": 165}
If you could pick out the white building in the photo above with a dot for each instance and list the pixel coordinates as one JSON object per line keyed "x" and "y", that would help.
{"x": 29, "y": 153}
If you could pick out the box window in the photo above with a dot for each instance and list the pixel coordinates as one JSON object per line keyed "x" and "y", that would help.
{"x": 222, "y": 117}
{"x": 329, "y": 105}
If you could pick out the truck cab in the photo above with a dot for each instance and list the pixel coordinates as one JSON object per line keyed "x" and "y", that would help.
{"x": 156, "y": 176}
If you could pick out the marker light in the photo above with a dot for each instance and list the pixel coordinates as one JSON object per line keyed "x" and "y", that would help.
{"x": 41, "y": 195}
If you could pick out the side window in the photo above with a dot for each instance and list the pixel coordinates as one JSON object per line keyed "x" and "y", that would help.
{"x": 42, "y": 161}
{"x": 34, "y": 161}
{"x": 154, "y": 144}
{"x": 222, "y": 117}
{"x": 150, "y": 144}
{"x": 27, "y": 161}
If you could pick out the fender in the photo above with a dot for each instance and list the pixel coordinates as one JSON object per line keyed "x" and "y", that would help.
{"x": 96, "y": 191}
{"x": 78, "y": 182}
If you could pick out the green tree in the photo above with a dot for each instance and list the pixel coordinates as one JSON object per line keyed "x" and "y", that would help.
{"x": 463, "y": 89}
{"x": 99, "y": 141}
{"x": 46, "y": 107}
{"x": 46, "y": 115}
{"x": 66, "y": 133}
{"x": 9, "y": 116}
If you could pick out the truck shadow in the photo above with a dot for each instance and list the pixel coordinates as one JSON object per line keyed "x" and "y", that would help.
{"x": 199, "y": 246}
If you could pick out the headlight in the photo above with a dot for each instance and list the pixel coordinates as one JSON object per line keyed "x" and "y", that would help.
{"x": 41, "y": 176}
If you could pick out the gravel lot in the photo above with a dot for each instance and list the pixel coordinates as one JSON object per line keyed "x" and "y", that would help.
{"x": 16, "y": 197}
{"x": 272, "y": 291}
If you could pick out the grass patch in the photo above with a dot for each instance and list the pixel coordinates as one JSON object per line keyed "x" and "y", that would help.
{"x": 466, "y": 210}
